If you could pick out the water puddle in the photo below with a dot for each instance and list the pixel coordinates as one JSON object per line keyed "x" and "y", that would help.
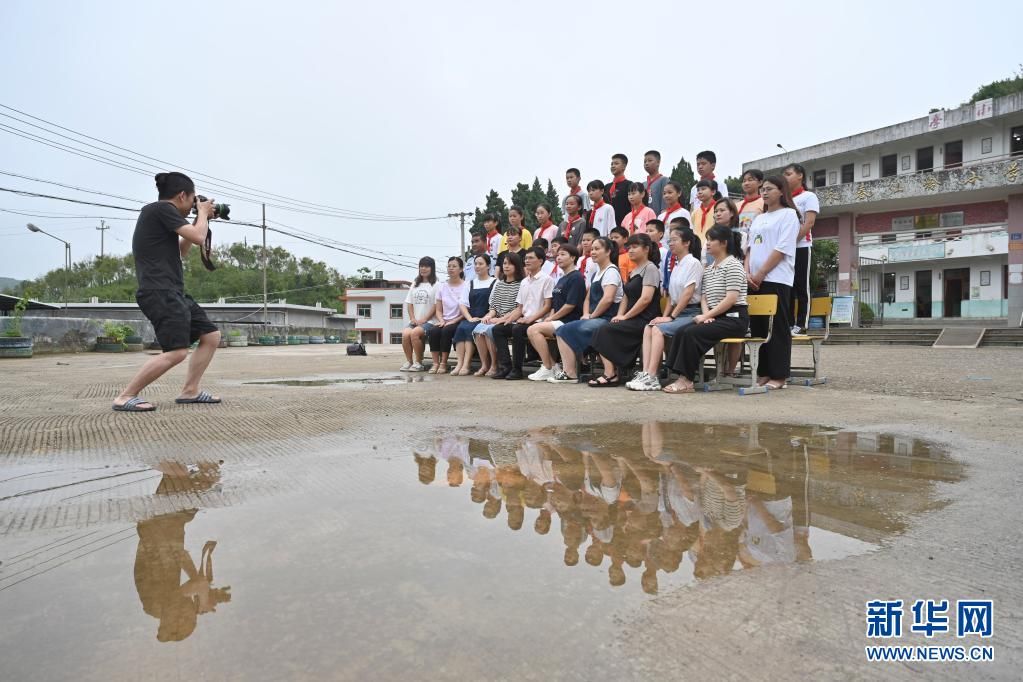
{"x": 457, "y": 558}
{"x": 369, "y": 380}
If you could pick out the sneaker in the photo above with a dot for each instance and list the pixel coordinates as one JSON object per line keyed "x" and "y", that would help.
{"x": 542, "y": 374}
{"x": 417, "y": 367}
{"x": 638, "y": 381}
{"x": 561, "y": 377}
{"x": 651, "y": 383}
{"x": 407, "y": 367}
{"x": 796, "y": 330}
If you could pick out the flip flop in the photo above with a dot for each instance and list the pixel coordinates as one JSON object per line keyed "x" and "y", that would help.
{"x": 132, "y": 405}
{"x": 203, "y": 397}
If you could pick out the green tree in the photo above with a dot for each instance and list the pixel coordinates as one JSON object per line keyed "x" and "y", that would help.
{"x": 734, "y": 186}
{"x": 492, "y": 204}
{"x": 552, "y": 200}
{"x": 520, "y": 196}
{"x": 683, "y": 173}
{"x": 824, "y": 263}
{"x": 1006, "y": 86}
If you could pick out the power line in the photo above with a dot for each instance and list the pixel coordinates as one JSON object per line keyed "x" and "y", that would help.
{"x": 245, "y": 189}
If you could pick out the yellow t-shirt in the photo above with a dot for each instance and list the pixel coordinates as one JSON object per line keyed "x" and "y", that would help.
{"x": 527, "y": 241}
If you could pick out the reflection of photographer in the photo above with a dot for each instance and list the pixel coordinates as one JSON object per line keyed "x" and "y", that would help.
{"x": 162, "y": 239}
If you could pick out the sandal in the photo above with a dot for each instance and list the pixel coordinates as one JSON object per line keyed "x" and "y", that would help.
{"x": 203, "y": 397}
{"x": 462, "y": 373}
{"x": 604, "y": 381}
{"x": 133, "y": 405}
{"x": 775, "y": 386}
{"x": 480, "y": 373}
{"x": 678, "y": 388}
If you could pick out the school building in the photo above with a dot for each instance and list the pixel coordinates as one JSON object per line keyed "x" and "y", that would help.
{"x": 928, "y": 213}
{"x": 379, "y": 309}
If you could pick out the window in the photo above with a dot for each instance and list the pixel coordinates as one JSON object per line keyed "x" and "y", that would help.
{"x": 888, "y": 288}
{"x": 820, "y": 178}
{"x": 1016, "y": 141}
{"x": 954, "y": 154}
{"x": 985, "y": 145}
{"x": 847, "y": 173}
{"x": 395, "y": 339}
{"x": 889, "y": 238}
{"x": 396, "y": 311}
{"x": 889, "y": 165}
{"x": 925, "y": 159}
{"x": 865, "y": 170}
{"x": 364, "y": 310}
{"x": 833, "y": 178}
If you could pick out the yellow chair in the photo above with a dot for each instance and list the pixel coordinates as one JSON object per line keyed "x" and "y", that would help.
{"x": 757, "y": 305}
{"x": 809, "y": 376}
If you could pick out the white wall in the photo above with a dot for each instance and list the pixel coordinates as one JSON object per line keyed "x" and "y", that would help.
{"x": 380, "y": 311}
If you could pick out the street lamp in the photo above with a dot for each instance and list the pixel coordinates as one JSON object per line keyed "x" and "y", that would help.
{"x": 67, "y": 258}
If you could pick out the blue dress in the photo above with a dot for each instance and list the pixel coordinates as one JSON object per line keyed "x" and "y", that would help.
{"x": 479, "y": 304}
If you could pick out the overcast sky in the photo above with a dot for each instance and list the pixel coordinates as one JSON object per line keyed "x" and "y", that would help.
{"x": 418, "y": 109}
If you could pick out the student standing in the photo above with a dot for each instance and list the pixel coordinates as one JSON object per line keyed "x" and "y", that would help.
{"x": 617, "y": 193}
{"x": 420, "y": 302}
{"x": 672, "y": 208}
{"x": 602, "y": 216}
{"x": 567, "y": 298}
{"x": 475, "y": 305}
{"x": 587, "y": 265}
{"x": 502, "y": 303}
{"x": 620, "y": 341}
{"x": 491, "y": 222}
{"x": 639, "y": 213}
{"x": 807, "y": 207}
{"x": 724, "y": 313}
{"x": 702, "y": 218}
{"x": 770, "y": 265}
{"x": 619, "y": 236}
{"x": 603, "y": 293}
{"x": 655, "y": 182}
{"x": 517, "y": 218}
{"x": 449, "y": 313}
{"x": 532, "y": 303}
{"x": 572, "y": 226}
{"x": 684, "y": 292}
{"x": 545, "y": 228}
{"x": 572, "y": 177}
{"x": 706, "y": 162}
{"x": 752, "y": 203}
{"x": 513, "y": 238}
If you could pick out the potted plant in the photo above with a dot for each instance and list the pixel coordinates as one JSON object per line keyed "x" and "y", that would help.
{"x": 866, "y": 315}
{"x": 12, "y": 343}
{"x": 235, "y": 339}
{"x": 132, "y": 339}
{"x": 112, "y": 340}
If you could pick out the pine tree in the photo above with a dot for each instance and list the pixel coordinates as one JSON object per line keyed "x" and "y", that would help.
{"x": 734, "y": 186}
{"x": 520, "y": 197}
{"x": 554, "y": 202}
{"x": 494, "y": 204}
{"x": 683, "y": 174}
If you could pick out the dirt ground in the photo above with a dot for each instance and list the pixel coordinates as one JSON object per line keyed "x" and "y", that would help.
{"x": 789, "y": 621}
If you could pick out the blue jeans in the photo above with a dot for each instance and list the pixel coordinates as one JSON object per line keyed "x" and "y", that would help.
{"x": 579, "y": 334}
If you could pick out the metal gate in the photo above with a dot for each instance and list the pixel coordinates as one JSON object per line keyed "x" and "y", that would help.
{"x": 869, "y": 309}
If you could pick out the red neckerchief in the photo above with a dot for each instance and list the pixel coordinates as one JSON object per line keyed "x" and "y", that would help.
{"x": 798, "y": 191}
{"x": 582, "y": 267}
{"x": 614, "y": 185}
{"x": 490, "y": 235}
{"x": 703, "y": 218}
{"x": 596, "y": 206}
{"x": 671, "y": 263}
{"x": 568, "y": 225}
{"x": 651, "y": 180}
{"x": 635, "y": 213}
{"x": 746, "y": 201}
{"x": 668, "y": 212}
{"x": 539, "y": 230}
{"x": 577, "y": 190}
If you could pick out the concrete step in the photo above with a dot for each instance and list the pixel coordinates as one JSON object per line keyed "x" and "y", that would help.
{"x": 881, "y": 335}
{"x": 1002, "y": 337}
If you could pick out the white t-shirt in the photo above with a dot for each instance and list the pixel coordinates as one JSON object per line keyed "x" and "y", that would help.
{"x": 806, "y": 201}
{"x": 763, "y": 545}
{"x": 687, "y": 271}
{"x": 423, "y": 298}
{"x": 494, "y": 248}
{"x": 774, "y": 231}
{"x": 604, "y": 220}
{"x": 608, "y": 276}
{"x": 666, "y": 218}
{"x": 548, "y": 268}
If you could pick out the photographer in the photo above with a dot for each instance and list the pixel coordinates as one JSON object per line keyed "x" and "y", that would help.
{"x": 162, "y": 239}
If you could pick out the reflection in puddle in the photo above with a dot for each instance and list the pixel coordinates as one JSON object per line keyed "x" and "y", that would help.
{"x": 368, "y": 380}
{"x": 161, "y": 558}
{"x": 693, "y": 501}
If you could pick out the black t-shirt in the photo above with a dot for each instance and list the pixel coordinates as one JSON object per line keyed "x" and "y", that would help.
{"x": 155, "y": 246}
{"x": 569, "y": 289}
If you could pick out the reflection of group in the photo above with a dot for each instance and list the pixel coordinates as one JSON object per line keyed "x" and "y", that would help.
{"x": 731, "y": 504}
{"x": 161, "y": 558}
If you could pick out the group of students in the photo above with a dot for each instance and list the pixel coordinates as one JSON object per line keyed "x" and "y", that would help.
{"x": 648, "y": 507}
{"x": 629, "y": 273}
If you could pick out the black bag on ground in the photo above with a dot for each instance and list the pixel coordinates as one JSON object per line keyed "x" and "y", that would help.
{"x": 356, "y": 349}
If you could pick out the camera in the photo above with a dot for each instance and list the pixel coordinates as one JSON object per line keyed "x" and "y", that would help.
{"x": 220, "y": 211}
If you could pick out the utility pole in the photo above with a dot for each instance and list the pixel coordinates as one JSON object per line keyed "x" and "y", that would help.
{"x": 102, "y": 230}
{"x": 461, "y": 221}
{"x": 264, "y": 267}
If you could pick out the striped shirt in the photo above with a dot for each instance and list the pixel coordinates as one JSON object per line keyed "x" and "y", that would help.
{"x": 502, "y": 297}
{"x": 718, "y": 280}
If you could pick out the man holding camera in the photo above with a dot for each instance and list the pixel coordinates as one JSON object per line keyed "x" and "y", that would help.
{"x": 162, "y": 239}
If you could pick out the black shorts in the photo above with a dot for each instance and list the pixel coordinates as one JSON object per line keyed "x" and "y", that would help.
{"x": 177, "y": 319}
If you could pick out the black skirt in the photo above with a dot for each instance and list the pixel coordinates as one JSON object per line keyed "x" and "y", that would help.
{"x": 621, "y": 342}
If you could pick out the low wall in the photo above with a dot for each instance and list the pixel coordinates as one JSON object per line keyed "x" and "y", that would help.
{"x": 78, "y": 334}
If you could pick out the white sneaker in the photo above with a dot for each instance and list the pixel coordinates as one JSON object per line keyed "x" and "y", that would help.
{"x": 796, "y": 330}
{"x": 542, "y": 374}
{"x": 637, "y": 382}
{"x": 650, "y": 384}
{"x": 407, "y": 367}
{"x": 417, "y": 367}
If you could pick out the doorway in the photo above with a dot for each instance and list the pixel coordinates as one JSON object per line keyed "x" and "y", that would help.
{"x": 957, "y": 290}
{"x": 923, "y": 293}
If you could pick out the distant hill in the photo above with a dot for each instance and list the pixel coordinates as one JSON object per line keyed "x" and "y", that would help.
{"x": 8, "y": 283}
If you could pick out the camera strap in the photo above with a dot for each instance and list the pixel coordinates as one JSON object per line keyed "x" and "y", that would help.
{"x": 205, "y": 251}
